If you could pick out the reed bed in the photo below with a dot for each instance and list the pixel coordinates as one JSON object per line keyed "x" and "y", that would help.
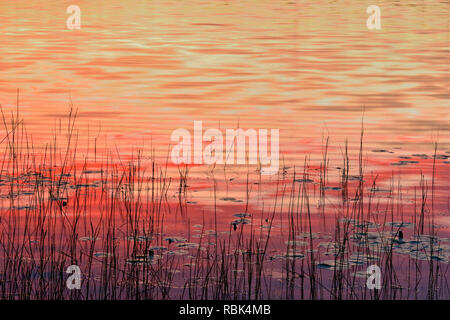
{"x": 111, "y": 215}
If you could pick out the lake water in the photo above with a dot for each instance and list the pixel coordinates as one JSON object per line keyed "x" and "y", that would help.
{"x": 138, "y": 70}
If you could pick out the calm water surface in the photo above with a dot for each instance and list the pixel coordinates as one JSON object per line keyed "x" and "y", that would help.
{"x": 137, "y": 70}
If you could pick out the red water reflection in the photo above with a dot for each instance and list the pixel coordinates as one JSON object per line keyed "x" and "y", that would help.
{"x": 136, "y": 71}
